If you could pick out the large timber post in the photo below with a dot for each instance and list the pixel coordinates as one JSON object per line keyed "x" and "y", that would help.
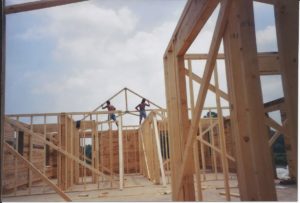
{"x": 178, "y": 124}
{"x": 287, "y": 21}
{"x": 255, "y": 174}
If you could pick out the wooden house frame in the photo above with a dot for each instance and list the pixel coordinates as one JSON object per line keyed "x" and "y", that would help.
{"x": 235, "y": 26}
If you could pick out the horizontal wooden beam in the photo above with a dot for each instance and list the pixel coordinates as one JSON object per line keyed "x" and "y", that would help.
{"x": 35, "y": 5}
{"x": 37, "y": 171}
{"x": 201, "y": 56}
{"x": 268, "y": 62}
{"x": 274, "y": 105}
{"x": 192, "y": 20}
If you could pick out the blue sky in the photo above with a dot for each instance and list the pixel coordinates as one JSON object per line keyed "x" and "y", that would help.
{"x": 74, "y": 57}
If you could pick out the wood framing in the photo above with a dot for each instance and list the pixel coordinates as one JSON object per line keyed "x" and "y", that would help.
{"x": 244, "y": 66}
{"x": 29, "y": 6}
{"x": 175, "y": 129}
{"x": 213, "y": 51}
{"x": 33, "y": 168}
{"x": 255, "y": 173}
{"x": 268, "y": 62}
{"x": 175, "y": 144}
{"x": 158, "y": 147}
{"x": 121, "y": 152}
{"x": 52, "y": 145}
{"x": 194, "y": 16}
{"x": 287, "y": 29}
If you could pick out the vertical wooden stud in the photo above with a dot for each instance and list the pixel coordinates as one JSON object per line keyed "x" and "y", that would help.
{"x": 111, "y": 153}
{"x": 222, "y": 142}
{"x": 158, "y": 147}
{"x": 255, "y": 174}
{"x": 213, "y": 153}
{"x": 30, "y": 156}
{"x": 121, "y": 160}
{"x": 287, "y": 29}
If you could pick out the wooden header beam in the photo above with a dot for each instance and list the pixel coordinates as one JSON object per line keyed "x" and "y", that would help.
{"x": 30, "y": 6}
{"x": 268, "y": 62}
{"x": 192, "y": 20}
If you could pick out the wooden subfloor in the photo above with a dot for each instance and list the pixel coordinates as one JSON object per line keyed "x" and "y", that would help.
{"x": 138, "y": 188}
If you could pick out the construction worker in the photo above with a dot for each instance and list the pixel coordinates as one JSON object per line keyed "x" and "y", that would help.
{"x": 111, "y": 116}
{"x": 141, "y": 109}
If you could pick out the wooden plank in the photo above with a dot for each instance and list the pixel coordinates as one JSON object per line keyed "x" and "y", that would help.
{"x": 42, "y": 176}
{"x": 275, "y": 105}
{"x": 111, "y": 155}
{"x": 178, "y": 122}
{"x": 212, "y": 139}
{"x": 45, "y": 153}
{"x": 126, "y": 100}
{"x": 188, "y": 187}
{"x": 97, "y": 144}
{"x": 253, "y": 158}
{"x": 203, "y": 162}
{"x": 222, "y": 137}
{"x": 192, "y": 56}
{"x": 171, "y": 96}
{"x": 268, "y": 62}
{"x": 199, "y": 196}
{"x": 84, "y": 155}
{"x": 121, "y": 152}
{"x": 70, "y": 146}
{"x": 158, "y": 147}
{"x": 286, "y": 17}
{"x": 30, "y": 157}
{"x": 213, "y": 51}
{"x": 29, "y": 6}
{"x": 144, "y": 152}
{"x": 16, "y": 164}
{"x": 59, "y": 180}
{"x": 272, "y": 123}
{"x": 231, "y": 194}
{"x": 65, "y": 159}
{"x": 192, "y": 20}
{"x": 273, "y": 139}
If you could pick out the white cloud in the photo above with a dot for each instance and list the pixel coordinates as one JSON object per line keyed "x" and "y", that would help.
{"x": 266, "y": 39}
{"x": 98, "y": 52}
